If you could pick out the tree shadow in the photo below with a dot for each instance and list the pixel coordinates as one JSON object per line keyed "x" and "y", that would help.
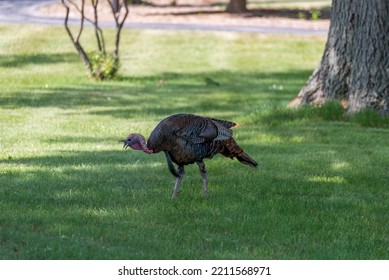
{"x": 18, "y": 61}
{"x": 65, "y": 170}
{"x": 111, "y": 204}
{"x": 156, "y": 94}
{"x": 60, "y": 201}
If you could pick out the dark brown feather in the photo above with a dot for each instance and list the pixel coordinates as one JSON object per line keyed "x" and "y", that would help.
{"x": 190, "y": 138}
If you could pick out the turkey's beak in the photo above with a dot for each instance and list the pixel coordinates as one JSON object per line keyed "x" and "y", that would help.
{"x": 125, "y": 145}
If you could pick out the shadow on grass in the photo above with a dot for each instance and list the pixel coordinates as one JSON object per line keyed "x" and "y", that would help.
{"x": 69, "y": 204}
{"x": 82, "y": 180}
{"x": 116, "y": 205}
{"x": 156, "y": 94}
{"x": 72, "y": 158}
{"x": 331, "y": 112}
{"x": 18, "y": 61}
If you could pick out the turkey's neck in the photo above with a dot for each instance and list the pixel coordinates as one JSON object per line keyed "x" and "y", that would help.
{"x": 143, "y": 144}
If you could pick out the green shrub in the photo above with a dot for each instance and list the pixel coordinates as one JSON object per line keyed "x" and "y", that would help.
{"x": 315, "y": 14}
{"x": 103, "y": 66}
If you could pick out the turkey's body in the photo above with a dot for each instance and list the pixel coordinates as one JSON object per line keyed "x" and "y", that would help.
{"x": 190, "y": 138}
{"x": 187, "y": 139}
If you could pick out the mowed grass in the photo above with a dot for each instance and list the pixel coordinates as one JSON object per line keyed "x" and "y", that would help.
{"x": 69, "y": 191}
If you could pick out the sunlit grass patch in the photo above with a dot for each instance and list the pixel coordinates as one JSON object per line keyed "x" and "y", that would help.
{"x": 69, "y": 191}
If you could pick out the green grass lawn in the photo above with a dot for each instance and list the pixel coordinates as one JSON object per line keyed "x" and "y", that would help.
{"x": 69, "y": 191}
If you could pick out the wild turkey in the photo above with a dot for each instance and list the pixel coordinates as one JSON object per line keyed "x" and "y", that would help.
{"x": 188, "y": 139}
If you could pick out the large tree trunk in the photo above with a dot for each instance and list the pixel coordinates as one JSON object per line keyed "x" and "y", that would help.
{"x": 237, "y": 6}
{"x": 355, "y": 63}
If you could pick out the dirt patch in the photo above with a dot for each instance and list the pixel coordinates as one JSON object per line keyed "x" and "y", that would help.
{"x": 205, "y": 12}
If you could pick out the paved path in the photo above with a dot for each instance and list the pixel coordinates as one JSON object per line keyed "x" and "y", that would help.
{"x": 24, "y": 11}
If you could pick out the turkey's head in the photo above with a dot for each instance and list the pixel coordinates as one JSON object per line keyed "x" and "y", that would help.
{"x": 136, "y": 142}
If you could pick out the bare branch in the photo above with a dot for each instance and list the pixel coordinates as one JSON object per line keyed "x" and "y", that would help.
{"x": 80, "y": 11}
{"x": 82, "y": 20}
{"x": 126, "y": 11}
{"x": 98, "y": 68}
{"x": 67, "y": 20}
{"x": 98, "y": 30}
{"x": 116, "y": 7}
{"x": 80, "y": 50}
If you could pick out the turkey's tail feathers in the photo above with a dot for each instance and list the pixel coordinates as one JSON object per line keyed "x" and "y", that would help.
{"x": 232, "y": 150}
{"x": 172, "y": 169}
{"x": 246, "y": 159}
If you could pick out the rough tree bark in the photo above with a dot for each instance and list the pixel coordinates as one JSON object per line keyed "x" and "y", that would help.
{"x": 355, "y": 64}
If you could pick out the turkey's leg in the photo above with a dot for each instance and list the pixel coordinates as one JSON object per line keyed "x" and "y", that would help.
{"x": 180, "y": 172}
{"x": 203, "y": 173}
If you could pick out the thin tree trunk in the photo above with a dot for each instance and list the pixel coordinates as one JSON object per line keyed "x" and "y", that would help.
{"x": 115, "y": 6}
{"x": 75, "y": 40}
{"x": 119, "y": 21}
{"x": 354, "y": 66}
{"x": 98, "y": 31}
